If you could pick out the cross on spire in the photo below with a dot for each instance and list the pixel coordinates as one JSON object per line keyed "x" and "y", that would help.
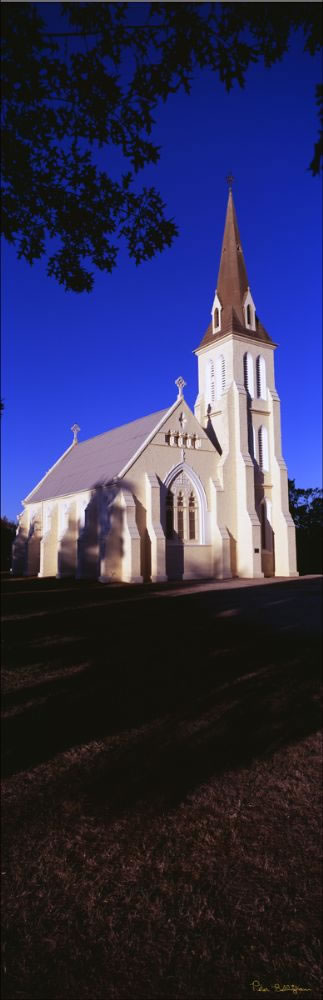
{"x": 230, "y": 179}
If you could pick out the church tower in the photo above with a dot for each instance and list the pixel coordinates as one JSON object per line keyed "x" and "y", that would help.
{"x": 239, "y": 407}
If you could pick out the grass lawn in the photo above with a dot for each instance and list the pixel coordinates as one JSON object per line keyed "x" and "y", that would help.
{"x": 160, "y": 794}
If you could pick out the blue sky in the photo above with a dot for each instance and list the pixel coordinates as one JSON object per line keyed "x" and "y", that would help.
{"x": 108, "y": 357}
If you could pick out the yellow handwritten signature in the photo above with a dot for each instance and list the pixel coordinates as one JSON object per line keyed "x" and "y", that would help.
{"x": 285, "y": 988}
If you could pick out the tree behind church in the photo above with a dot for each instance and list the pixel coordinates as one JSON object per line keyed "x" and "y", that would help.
{"x": 8, "y": 532}
{"x": 306, "y": 508}
{"x": 93, "y": 81}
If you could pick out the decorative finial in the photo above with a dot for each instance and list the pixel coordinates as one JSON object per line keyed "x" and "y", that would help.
{"x": 230, "y": 179}
{"x": 180, "y": 385}
{"x": 75, "y": 430}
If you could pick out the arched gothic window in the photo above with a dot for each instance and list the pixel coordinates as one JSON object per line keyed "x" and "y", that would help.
{"x": 261, "y": 377}
{"x": 263, "y": 448}
{"x": 210, "y": 387}
{"x": 248, "y": 373}
{"x": 83, "y": 504}
{"x": 182, "y": 510}
{"x": 48, "y": 518}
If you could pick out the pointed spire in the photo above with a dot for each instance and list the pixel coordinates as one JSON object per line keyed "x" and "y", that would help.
{"x": 232, "y": 280}
{"x": 232, "y": 294}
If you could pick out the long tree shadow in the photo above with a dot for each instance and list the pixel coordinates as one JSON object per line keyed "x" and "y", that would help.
{"x": 188, "y": 701}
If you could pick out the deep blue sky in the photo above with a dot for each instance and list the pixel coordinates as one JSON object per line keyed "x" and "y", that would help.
{"x": 108, "y": 357}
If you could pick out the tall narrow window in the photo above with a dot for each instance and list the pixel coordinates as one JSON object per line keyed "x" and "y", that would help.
{"x": 248, "y": 373}
{"x": 169, "y": 515}
{"x": 180, "y": 516}
{"x": 210, "y": 387}
{"x": 220, "y": 376}
{"x": 63, "y": 518}
{"x": 82, "y": 514}
{"x": 261, "y": 377}
{"x": 263, "y": 449}
{"x": 48, "y": 518}
{"x": 191, "y": 517}
{"x": 249, "y": 315}
{"x": 216, "y": 318}
{"x": 254, "y": 445}
{"x": 263, "y": 525}
{"x": 265, "y": 521}
{"x": 269, "y": 530}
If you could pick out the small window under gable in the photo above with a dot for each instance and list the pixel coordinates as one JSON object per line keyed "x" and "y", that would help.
{"x": 248, "y": 373}
{"x": 249, "y": 311}
{"x": 216, "y": 314}
{"x": 261, "y": 377}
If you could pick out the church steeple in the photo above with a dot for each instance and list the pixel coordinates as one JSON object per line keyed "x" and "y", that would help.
{"x": 233, "y": 309}
{"x": 233, "y": 282}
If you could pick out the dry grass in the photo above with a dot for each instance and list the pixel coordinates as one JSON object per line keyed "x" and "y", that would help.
{"x": 161, "y": 793}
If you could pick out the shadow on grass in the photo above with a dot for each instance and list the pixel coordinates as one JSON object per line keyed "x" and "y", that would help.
{"x": 192, "y": 685}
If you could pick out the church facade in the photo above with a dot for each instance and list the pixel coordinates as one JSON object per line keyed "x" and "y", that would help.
{"x": 177, "y": 494}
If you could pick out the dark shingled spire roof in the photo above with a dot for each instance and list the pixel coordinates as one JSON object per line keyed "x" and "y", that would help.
{"x": 232, "y": 280}
{"x": 232, "y": 286}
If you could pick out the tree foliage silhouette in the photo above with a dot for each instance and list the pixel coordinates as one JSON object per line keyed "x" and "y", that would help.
{"x": 8, "y": 531}
{"x": 95, "y": 83}
{"x": 306, "y": 507}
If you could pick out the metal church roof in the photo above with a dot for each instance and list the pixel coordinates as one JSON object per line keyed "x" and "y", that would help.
{"x": 91, "y": 463}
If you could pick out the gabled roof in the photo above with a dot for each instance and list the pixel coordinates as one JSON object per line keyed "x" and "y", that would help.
{"x": 98, "y": 460}
{"x": 232, "y": 286}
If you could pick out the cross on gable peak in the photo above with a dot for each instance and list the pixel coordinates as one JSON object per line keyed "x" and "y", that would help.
{"x": 75, "y": 430}
{"x": 180, "y": 382}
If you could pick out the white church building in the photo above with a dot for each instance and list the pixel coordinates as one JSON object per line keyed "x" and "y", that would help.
{"x": 176, "y": 494}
